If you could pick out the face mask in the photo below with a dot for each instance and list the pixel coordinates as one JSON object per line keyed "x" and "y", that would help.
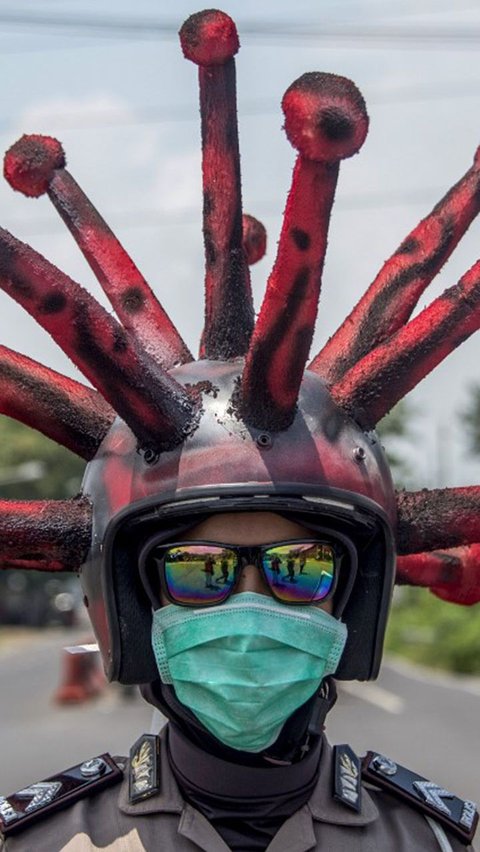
{"x": 243, "y": 667}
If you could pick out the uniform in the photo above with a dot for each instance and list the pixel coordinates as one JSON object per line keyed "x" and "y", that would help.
{"x": 109, "y": 820}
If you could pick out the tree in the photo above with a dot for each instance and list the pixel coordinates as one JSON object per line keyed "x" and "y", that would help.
{"x": 395, "y": 430}
{"x": 58, "y": 472}
{"x": 33, "y": 468}
{"x": 471, "y": 418}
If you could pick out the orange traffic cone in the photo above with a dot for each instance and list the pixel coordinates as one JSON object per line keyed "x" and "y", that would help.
{"x": 82, "y": 677}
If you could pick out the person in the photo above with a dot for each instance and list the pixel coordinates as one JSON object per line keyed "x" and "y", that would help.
{"x": 224, "y": 570}
{"x": 247, "y": 452}
{"x": 209, "y": 571}
{"x": 275, "y": 563}
{"x": 291, "y": 569}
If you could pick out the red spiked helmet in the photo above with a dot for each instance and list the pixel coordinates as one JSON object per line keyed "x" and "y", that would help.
{"x": 245, "y": 427}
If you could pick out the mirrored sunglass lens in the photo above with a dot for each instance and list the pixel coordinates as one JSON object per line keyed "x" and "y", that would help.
{"x": 302, "y": 572}
{"x": 196, "y": 574}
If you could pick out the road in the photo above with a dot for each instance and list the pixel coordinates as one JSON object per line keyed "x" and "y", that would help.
{"x": 427, "y": 722}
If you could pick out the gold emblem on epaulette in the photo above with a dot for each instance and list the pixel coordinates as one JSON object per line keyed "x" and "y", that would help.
{"x": 143, "y": 779}
{"x": 347, "y": 767}
{"x": 347, "y": 782}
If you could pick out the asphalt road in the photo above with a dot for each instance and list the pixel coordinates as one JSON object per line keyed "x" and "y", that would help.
{"x": 427, "y": 722}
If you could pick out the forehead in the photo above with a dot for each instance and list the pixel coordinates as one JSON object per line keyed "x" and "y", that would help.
{"x": 247, "y": 528}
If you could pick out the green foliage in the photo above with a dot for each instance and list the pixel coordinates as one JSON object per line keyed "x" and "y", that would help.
{"x": 56, "y": 473}
{"x": 397, "y": 422}
{"x": 435, "y": 633}
{"x": 34, "y": 468}
{"x": 471, "y": 418}
{"x": 395, "y": 430}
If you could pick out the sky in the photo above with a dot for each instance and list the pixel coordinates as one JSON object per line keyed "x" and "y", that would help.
{"x": 107, "y": 78}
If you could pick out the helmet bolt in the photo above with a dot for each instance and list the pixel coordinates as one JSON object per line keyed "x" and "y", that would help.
{"x": 384, "y": 765}
{"x": 359, "y": 454}
{"x": 264, "y": 441}
{"x": 150, "y": 456}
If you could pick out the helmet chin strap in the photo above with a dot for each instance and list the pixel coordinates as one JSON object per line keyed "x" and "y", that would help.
{"x": 302, "y": 728}
{"x": 296, "y": 738}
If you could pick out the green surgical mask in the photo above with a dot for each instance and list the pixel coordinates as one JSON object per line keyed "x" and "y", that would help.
{"x": 243, "y": 667}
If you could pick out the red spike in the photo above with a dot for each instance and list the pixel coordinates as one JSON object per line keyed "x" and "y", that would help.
{"x": 35, "y": 165}
{"x": 157, "y": 409}
{"x": 326, "y": 119}
{"x": 452, "y": 575}
{"x": 210, "y": 40}
{"x": 391, "y": 298}
{"x": 254, "y": 239}
{"x": 46, "y": 535}
{"x": 441, "y": 518}
{"x": 66, "y": 411}
{"x": 372, "y": 387}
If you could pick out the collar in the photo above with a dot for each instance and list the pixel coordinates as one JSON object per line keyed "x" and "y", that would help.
{"x": 216, "y": 776}
{"x": 322, "y": 806}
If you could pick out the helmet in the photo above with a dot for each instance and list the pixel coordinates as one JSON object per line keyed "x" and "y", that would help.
{"x": 323, "y": 469}
{"x": 171, "y": 440}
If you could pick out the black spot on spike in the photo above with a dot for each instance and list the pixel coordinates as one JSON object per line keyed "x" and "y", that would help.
{"x": 450, "y": 566}
{"x": 301, "y": 239}
{"x": 55, "y": 303}
{"x": 300, "y": 349}
{"x": 133, "y": 300}
{"x": 23, "y": 287}
{"x": 208, "y": 203}
{"x": 210, "y": 249}
{"x": 120, "y": 343}
{"x": 272, "y": 412}
{"x": 299, "y": 287}
{"x": 335, "y": 124}
{"x": 409, "y": 246}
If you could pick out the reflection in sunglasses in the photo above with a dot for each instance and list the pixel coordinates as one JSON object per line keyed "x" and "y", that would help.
{"x": 205, "y": 573}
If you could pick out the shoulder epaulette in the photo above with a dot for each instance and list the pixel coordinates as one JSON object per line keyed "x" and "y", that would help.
{"x": 21, "y": 809}
{"x": 460, "y": 816}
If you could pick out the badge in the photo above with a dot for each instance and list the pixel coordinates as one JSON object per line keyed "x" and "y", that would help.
{"x": 143, "y": 777}
{"x": 21, "y": 809}
{"x": 458, "y": 815}
{"x": 347, "y": 777}
{"x": 434, "y": 795}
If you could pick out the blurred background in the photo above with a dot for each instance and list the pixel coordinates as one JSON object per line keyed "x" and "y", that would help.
{"x": 108, "y": 79}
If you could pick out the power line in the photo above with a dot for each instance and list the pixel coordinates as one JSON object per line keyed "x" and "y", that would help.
{"x": 143, "y": 218}
{"x": 113, "y": 117}
{"x": 360, "y": 36}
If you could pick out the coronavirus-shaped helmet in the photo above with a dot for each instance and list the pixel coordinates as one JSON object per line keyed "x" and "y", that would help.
{"x": 248, "y": 426}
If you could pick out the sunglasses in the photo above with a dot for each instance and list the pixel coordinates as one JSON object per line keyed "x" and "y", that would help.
{"x": 206, "y": 573}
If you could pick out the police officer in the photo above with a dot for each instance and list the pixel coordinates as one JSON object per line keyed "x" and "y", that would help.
{"x": 242, "y": 459}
